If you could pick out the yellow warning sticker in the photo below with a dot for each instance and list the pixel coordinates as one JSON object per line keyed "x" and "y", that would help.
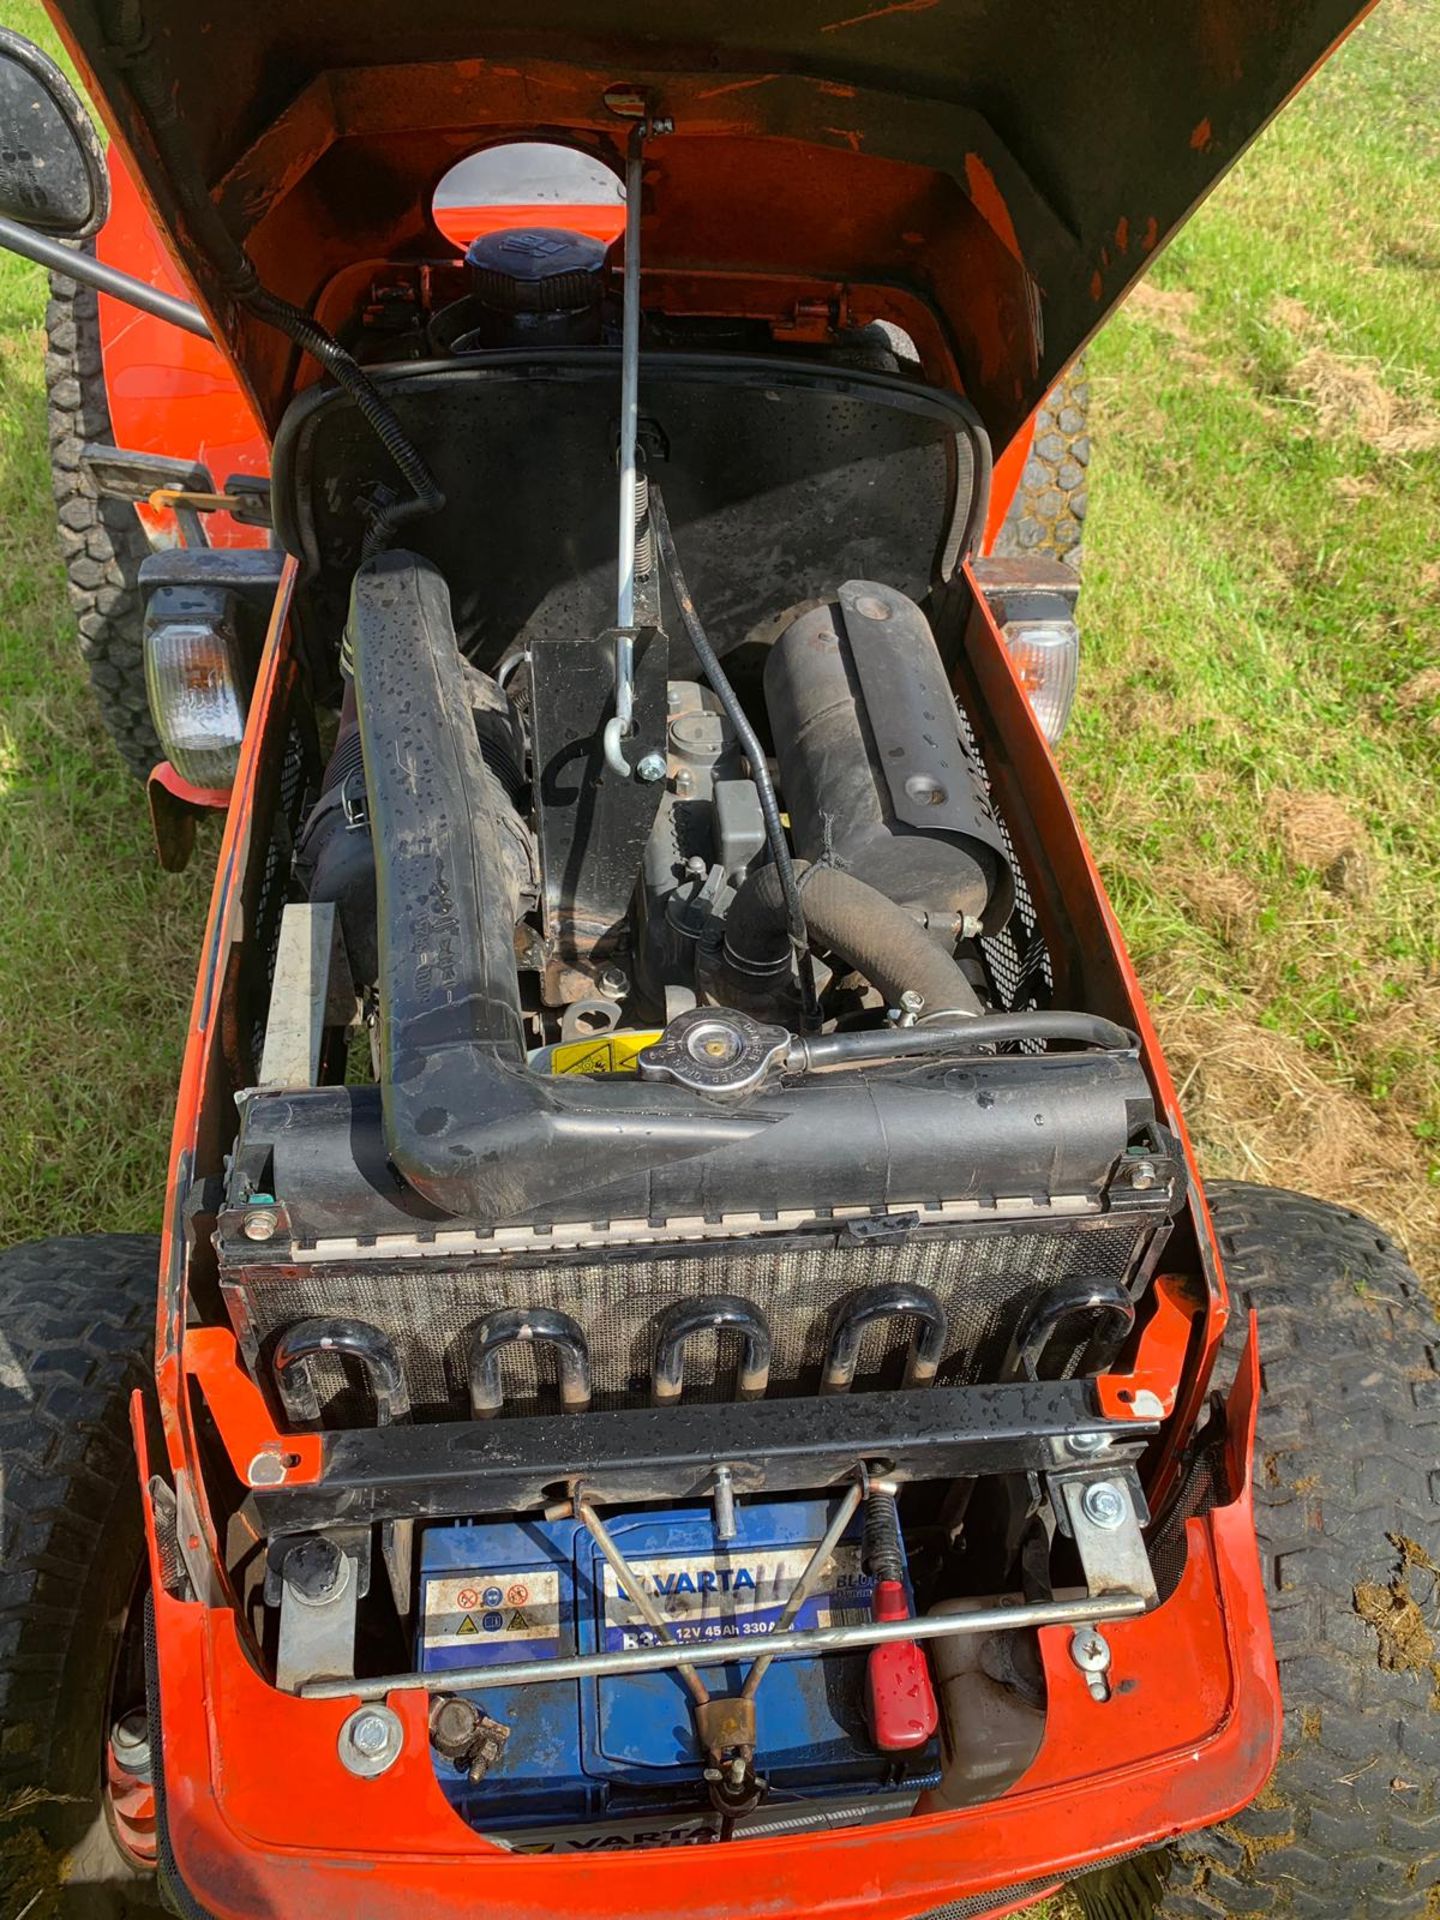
{"x": 606, "y": 1053}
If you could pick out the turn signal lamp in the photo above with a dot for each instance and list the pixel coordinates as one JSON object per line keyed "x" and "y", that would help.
{"x": 194, "y": 676}
{"x": 1046, "y": 658}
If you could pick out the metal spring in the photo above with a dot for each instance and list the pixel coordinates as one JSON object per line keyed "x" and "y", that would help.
{"x": 644, "y": 538}
{"x": 884, "y": 1552}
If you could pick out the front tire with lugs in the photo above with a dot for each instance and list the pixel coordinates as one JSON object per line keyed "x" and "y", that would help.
{"x": 76, "y": 1334}
{"x": 1347, "y": 1514}
{"x": 102, "y": 540}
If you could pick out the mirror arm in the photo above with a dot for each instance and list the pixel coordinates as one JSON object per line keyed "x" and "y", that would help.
{"x": 85, "y": 267}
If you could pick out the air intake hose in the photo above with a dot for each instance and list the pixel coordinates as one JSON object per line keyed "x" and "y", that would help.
{"x": 450, "y": 848}
{"x": 878, "y": 938}
{"x": 466, "y": 1123}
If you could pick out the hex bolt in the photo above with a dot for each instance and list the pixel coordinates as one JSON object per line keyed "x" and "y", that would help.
{"x": 912, "y": 1005}
{"x": 1084, "y": 1444}
{"x": 1104, "y": 1505}
{"x": 1143, "y": 1174}
{"x": 370, "y": 1742}
{"x": 261, "y": 1223}
{"x": 370, "y": 1735}
{"x": 613, "y": 982}
{"x": 651, "y": 767}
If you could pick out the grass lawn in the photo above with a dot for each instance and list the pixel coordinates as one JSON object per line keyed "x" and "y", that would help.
{"x": 1258, "y": 735}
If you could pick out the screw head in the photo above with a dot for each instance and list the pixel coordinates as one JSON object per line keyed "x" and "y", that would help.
{"x": 1104, "y": 1505}
{"x": 267, "y": 1469}
{"x": 651, "y": 767}
{"x": 261, "y": 1223}
{"x": 1090, "y": 1650}
{"x": 911, "y": 1001}
{"x": 1143, "y": 1174}
{"x": 1086, "y": 1443}
{"x": 370, "y": 1742}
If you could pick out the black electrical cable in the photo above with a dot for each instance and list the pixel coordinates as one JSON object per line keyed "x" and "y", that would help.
{"x": 347, "y": 373}
{"x": 749, "y": 741}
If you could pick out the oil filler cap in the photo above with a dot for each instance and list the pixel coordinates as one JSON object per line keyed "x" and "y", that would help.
{"x": 534, "y": 285}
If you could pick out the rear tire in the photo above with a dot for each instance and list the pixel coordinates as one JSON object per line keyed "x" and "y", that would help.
{"x": 1347, "y": 1512}
{"x": 1047, "y": 514}
{"x": 76, "y": 1333}
{"x": 102, "y": 541}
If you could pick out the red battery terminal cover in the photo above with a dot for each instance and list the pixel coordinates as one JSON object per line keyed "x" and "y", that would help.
{"x": 899, "y": 1694}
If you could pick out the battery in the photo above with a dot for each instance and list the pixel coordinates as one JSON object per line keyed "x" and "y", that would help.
{"x": 614, "y": 1760}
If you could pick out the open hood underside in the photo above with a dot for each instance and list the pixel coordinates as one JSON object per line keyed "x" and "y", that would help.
{"x": 992, "y": 174}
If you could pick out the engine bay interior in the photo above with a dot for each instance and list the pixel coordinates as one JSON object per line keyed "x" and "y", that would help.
{"x": 668, "y": 1184}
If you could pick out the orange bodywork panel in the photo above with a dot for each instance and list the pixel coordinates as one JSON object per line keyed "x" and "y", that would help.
{"x": 171, "y": 393}
{"x": 265, "y": 1821}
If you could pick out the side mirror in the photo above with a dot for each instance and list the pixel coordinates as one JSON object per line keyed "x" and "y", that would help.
{"x": 52, "y": 168}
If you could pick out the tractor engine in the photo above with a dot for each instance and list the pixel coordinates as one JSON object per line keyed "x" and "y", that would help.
{"x": 664, "y": 1150}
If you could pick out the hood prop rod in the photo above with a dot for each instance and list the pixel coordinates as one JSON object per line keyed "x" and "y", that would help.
{"x": 91, "y": 272}
{"x": 621, "y": 723}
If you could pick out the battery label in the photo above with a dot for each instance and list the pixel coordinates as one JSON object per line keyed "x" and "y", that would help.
{"x": 502, "y": 1616}
{"x": 725, "y": 1595}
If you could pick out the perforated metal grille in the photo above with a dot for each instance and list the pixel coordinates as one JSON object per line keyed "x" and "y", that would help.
{"x": 984, "y": 1280}
{"x": 1016, "y": 960}
{"x": 1003, "y": 1899}
{"x": 291, "y": 802}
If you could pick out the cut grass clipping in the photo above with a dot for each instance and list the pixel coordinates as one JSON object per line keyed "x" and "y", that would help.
{"x": 1256, "y": 741}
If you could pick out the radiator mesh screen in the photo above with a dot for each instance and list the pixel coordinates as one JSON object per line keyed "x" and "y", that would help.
{"x": 984, "y": 1280}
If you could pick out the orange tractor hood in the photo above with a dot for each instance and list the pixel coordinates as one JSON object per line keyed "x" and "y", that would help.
{"x": 991, "y": 173}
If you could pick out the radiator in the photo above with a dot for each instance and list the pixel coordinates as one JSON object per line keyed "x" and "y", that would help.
{"x": 985, "y": 1277}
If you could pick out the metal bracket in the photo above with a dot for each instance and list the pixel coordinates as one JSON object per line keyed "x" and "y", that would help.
{"x": 1103, "y": 1509}
{"x": 312, "y": 991}
{"x": 319, "y": 1590}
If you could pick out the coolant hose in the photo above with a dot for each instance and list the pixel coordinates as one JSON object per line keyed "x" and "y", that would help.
{"x": 877, "y": 937}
